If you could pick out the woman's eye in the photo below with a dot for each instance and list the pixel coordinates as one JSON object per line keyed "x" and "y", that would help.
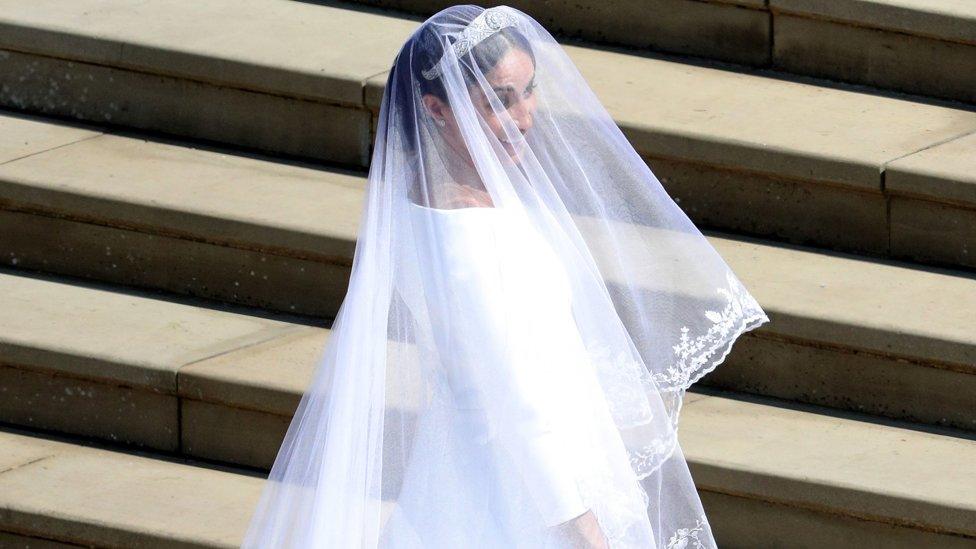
{"x": 530, "y": 89}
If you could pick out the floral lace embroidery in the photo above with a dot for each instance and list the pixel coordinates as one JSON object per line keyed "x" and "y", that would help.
{"x": 645, "y": 460}
{"x": 626, "y": 383}
{"x": 686, "y": 536}
{"x": 693, "y": 354}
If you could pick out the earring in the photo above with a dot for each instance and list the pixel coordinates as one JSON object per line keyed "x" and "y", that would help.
{"x": 440, "y": 122}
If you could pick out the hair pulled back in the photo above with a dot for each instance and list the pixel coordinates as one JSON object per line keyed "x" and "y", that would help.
{"x": 423, "y": 50}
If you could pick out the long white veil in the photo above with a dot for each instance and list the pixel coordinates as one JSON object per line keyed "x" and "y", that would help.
{"x": 526, "y": 309}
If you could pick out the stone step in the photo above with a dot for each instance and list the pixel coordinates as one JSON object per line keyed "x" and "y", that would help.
{"x": 104, "y": 362}
{"x": 60, "y": 493}
{"x": 768, "y": 476}
{"x": 190, "y": 374}
{"x": 913, "y": 46}
{"x": 191, "y": 221}
{"x": 737, "y": 31}
{"x": 758, "y": 153}
{"x": 169, "y": 216}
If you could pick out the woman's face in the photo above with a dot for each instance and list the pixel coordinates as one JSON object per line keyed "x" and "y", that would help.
{"x": 513, "y": 81}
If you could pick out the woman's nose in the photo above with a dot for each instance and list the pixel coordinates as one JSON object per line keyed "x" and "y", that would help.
{"x": 522, "y": 115}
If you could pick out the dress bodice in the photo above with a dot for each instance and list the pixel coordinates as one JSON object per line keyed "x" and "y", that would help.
{"x": 500, "y": 309}
{"x": 490, "y": 277}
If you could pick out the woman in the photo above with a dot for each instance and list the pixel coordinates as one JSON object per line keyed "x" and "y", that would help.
{"x": 526, "y": 309}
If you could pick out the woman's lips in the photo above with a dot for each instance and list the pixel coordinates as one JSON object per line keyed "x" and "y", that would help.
{"x": 513, "y": 147}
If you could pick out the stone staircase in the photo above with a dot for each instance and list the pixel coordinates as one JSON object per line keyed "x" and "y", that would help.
{"x": 912, "y": 46}
{"x": 180, "y": 189}
{"x": 759, "y": 154}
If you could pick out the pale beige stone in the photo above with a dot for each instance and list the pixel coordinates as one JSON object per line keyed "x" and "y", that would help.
{"x": 109, "y": 335}
{"x": 801, "y": 372}
{"x": 771, "y": 126}
{"x": 945, "y": 172}
{"x": 803, "y": 212}
{"x": 101, "y": 498}
{"x": 717, "y": 29}
{"x": 946, "y": 19}
{"x": 294, "y": 48}
{"x": 19, "y": 451}
{"x": 792, "y": 129}
{"x": 880, "y": 58}
{"x": 844, "y": 466}
{"x": 748, "y": 522}
{"x": 177, "y": 189}
{"x": 887, "y": 307}
{"x": 271, "y": 279}
{"x": 854, "y": 479}
{"x": 933, "y": 232}
{"x": 213, "y": 431}
{"x": 104, "y": 410}
{"x": 25, "y": 135}
{"x": 270, "y": 376}
{"x": 176, "y": 106}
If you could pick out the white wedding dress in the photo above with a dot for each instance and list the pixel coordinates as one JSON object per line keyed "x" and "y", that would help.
{"x": 531, "y": 404}
{"x": 493, "y": 372}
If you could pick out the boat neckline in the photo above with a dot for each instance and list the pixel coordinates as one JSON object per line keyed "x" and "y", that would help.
{"x": 446, "y": 210}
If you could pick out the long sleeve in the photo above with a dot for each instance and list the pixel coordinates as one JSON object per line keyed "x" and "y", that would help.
{"x": 511, "y": 325}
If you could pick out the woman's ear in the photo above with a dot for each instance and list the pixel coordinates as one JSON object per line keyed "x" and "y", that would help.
{"x": 435, "y": 106}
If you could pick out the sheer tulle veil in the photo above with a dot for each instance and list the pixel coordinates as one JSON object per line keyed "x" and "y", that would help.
{"x": 526, "y": 309}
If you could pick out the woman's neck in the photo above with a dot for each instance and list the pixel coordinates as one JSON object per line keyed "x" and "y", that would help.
{"x": 462, "y": 170}
{"x": 464, "y": 180}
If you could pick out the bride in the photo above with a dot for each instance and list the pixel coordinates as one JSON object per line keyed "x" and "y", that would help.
{"x": 526, "y": 309}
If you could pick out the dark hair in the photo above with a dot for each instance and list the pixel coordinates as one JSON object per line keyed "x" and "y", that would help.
{"x": 423, "y": 50}
{"x": 485, "y": 54}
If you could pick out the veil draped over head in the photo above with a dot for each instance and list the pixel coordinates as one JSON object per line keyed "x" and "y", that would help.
{"x": 526, "y": 309}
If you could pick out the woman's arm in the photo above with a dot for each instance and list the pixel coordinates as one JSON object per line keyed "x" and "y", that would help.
{"x": 510, "y": 361}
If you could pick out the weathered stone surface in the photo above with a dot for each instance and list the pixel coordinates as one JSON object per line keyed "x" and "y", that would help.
{"x": 95, "y": 497}
{"x": 888, "y": 59}
{"x": 765, "y": 452}
{"x": 268, "y": 377}
{"x": 13, "y": 541}
{"x": 716, "y": 29}
{"x": 945, "y": 172}
{"x": 176, "y": 189}
{"x": 158, "y": 215}
{"x": 104, "y": 410}
{"x": 802, "y": 212}
{"x": 933, "y": 232}
{"x": 160, "y": 102}
{"x": 801, "y": 372}
{"x": 952, "y": 20}
{"x": 776, "y": 127}
{"x": 99, "y": 334}
{"x": 891, "y": 309}
{"x": 182, "y": 265}
{"x": 99, "y": 363}
{"x": 296, "y": 49}
{"x": 213, "y": 431}
{"x": 746, "y": 522}
{"x": 829, "y": 478}
{"x": 23, "y": 136}
{"x": 933, "y": 205}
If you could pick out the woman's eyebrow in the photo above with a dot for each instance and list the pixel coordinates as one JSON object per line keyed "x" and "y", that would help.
{"x": 510, "y": 87}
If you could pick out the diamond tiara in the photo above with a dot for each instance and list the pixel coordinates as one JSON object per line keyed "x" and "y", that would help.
{"x": 484, "y": 25}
